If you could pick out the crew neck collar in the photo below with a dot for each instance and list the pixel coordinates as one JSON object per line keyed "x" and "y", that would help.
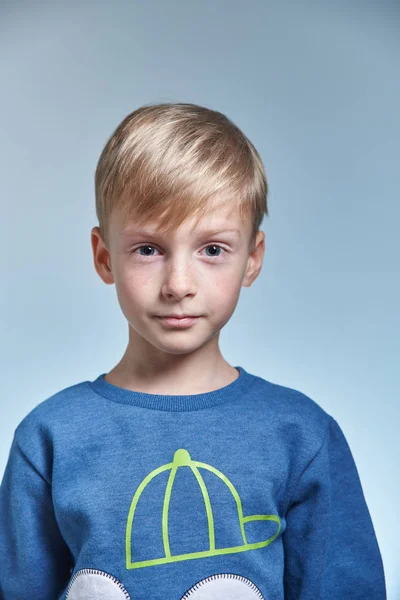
{"x": 173, "y": 403}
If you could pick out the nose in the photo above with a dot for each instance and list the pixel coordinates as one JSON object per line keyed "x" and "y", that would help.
{"x": 179, "y": 278}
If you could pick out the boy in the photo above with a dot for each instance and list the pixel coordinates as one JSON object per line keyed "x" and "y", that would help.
{"x": 176, "y": 475}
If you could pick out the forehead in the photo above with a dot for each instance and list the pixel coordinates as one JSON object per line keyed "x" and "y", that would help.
{"x": 218, "y": 219}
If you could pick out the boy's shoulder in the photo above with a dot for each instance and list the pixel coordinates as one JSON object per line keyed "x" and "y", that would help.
{"x": 291, "y": 408}
{"x": 53, "y": 414}
{"x": 54, "y": 423}
{"x": 289, "y": 399}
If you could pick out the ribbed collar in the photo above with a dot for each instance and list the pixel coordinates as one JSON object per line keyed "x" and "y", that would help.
{"x": 173, "y": 403}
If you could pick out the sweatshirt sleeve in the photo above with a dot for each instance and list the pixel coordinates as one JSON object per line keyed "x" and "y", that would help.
{"x": 331, "y": 551}
{"x": 35, "y": 561}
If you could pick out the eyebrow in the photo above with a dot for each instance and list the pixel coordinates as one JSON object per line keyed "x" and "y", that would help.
{"x": 215, "y": 231}
{"x": 212, "y": 232}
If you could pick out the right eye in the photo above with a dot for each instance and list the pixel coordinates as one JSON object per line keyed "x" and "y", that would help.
{"x": 147, "y": 246}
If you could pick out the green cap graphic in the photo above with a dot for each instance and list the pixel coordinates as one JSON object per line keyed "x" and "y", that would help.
{"x": 182, "y": 459}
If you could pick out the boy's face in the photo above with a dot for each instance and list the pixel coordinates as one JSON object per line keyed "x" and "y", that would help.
{"x": 189, "y": 271}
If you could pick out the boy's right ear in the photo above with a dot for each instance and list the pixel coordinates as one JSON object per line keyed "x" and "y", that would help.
{"x": 101, "y": 257}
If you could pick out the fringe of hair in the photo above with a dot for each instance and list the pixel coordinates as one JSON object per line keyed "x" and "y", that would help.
{"x": 167, "y": 162}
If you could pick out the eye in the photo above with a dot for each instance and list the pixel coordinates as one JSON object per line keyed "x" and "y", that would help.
{"x": 147, "y": 246}
{"x": 218, "y": 248}
{"x": 215, "y": 248}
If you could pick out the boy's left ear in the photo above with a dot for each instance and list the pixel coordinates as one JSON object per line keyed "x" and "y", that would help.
{"x": 255, "y": 260}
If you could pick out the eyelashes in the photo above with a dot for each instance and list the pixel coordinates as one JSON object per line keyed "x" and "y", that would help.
{"x": 215, "y": 257}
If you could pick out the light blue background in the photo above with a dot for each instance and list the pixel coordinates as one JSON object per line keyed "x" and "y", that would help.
{"x": 316, "y": 87}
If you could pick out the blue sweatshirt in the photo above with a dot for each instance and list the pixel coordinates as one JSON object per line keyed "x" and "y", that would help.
{"x": 246, "y": 492}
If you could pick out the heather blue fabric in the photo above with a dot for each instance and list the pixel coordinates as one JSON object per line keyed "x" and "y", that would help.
{"x": 249, "y": 491}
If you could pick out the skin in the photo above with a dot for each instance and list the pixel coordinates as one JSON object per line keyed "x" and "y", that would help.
{"x": 181, "y": 273}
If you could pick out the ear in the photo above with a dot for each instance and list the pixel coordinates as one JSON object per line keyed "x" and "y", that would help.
{"x": 255, "y": 260}
{"x": 101, "y": 257}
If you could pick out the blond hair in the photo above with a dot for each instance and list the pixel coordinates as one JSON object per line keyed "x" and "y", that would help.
{"x": 169, "y": 161}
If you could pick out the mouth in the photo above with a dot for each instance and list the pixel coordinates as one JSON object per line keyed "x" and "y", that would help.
{"x": 179, "y": 322}
{"x": 178, "y": 316}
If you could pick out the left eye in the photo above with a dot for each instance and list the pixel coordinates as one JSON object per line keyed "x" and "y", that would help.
{"x": 218, "y": 248}
{"x": 148, "y": 246}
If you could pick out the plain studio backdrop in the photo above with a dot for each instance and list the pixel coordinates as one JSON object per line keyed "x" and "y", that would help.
{"x": 316, "y": 87}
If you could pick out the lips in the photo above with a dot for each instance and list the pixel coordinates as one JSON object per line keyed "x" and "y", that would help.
{"x": 180, "y": 323}
{"x": 178, "y": 316}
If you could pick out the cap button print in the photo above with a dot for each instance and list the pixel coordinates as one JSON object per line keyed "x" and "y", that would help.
{"x": 181, "y": 460}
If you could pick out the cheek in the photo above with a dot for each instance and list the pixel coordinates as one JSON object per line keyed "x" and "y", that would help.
{"x": 132, "y": 282}
{"x": 227, "y": 281}
{"x": 133, "y": 289}
{"x": 224, "y": 292}
{"x": 227, "y": 286}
